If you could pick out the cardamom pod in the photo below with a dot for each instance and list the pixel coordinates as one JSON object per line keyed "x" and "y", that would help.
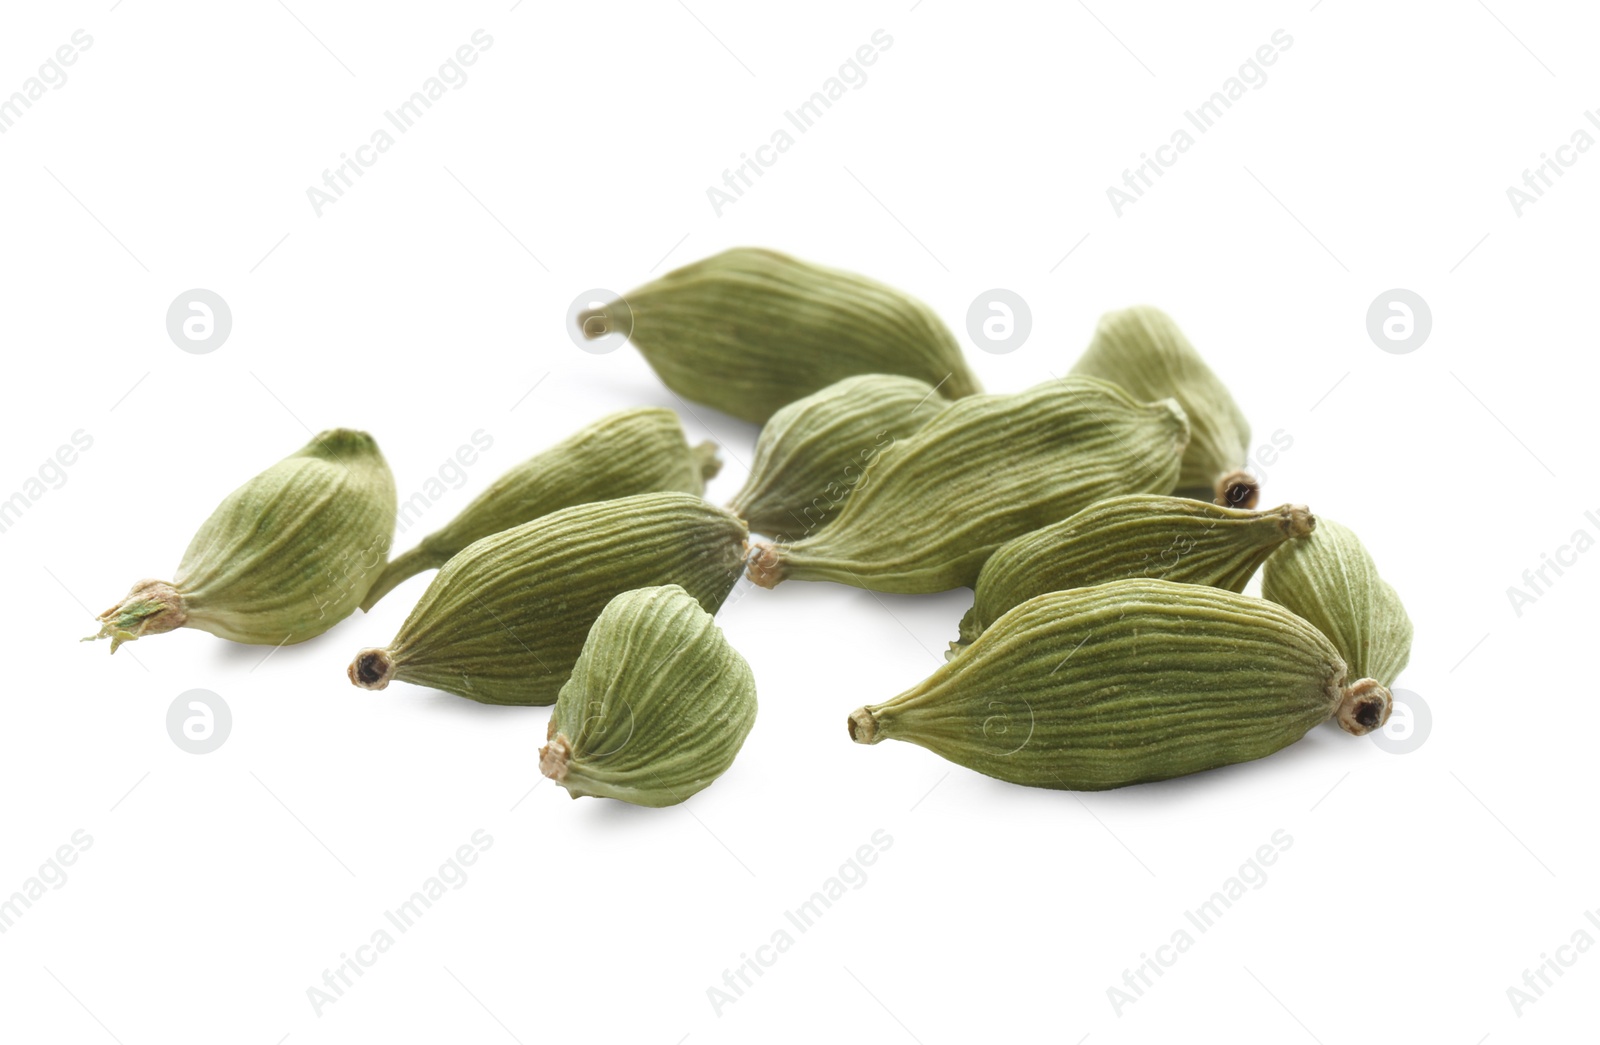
{"x": 1331, "y": 581}
{"x": 505, "y": 620}
{"x": 1139, "y": 535}
{"x": 1127, "y": 682}
{"x": 749, "y": 331}
{"x": 816, "y": 451}
{"x": 987, "y": 469}
{"x": 630, "y": 452}
{"x": 283, "y": 558}
{"x": 657, "y": 706}
{"x": 1143, "y": 350}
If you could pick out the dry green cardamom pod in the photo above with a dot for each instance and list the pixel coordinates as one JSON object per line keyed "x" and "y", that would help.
{"x": 657, "y": 706}
{"x": 1331, "y": 581}
{"x": 504, "y": 621}
{"x": 630, "y": 452}
{"x": 283, "y": 558}
{"x": 986, "y": 470}
{"x": 1128, "y": 682}
{"x": 816, "y": 451}
{"x": 749, "y": 331}
{"x": 1140, "y": 535}
{"x": 1143, "y": 350}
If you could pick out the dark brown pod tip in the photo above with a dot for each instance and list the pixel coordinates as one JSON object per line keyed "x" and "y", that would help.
{"x": 1238, "y": 489}
{"x": 372, "y": 669}
{"x": 1364, "y": 707}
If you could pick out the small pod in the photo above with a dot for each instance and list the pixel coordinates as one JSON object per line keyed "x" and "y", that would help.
{"x": 626, "y": 453}
{"x": 283, "y": 558}
{"x": 1143, "y": 350}
{"x": 505, "y": 620}
{"x": 1124, "y": 683}
{"x": 657, "y": 706}
{"x": 819, "y": 450}
{"x": 1331, "y": 581}
{"x": 1141, "y": 535}
{"x": 749, "y": 331}
{"x": 986, "y": 470}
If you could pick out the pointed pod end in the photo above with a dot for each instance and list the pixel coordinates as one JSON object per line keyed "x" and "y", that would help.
{"x": 1238, "y": 489}
{"x": 372, "y": 669}
{"x": 1364, "y": 707}
{"x": 706, "y": 459}
{"x": 150, "y": 608}
{"x": 595, "y": 323}
{"x": 765, "y": 564}
{"x": 863, "y": 725}
{"x": 1296, "y": 520}
{"x": 555, "y": 756}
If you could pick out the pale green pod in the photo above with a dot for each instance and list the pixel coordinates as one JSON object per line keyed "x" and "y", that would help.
{"x": 505, "y": 620}
{"x": 1127, "y": 682}
{"x": 986, "y": 470}
{"x": 283, "y": 558}
{"x": 1331, "y": 581}
{"x": 749, "y": 331}
{"x": 1140, "y": 535}
{"x": 629, "y": 452}
{"x": 657, "y": 706}
{"x": 814, "y": 452}
{"x": 1143, "y": 350}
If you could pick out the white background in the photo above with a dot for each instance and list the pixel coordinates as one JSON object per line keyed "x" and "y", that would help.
{"x": 426, "y": 304}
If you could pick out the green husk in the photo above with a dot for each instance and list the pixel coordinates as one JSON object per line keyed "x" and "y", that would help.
{"x": 657, "y": 706}
{"x": 1331, "y": 580}
{"x": 817, "y": 451}
{"x": 1143, "y": 350}
{"x": 749, "y": 331}
{"x": 1139, "y": 535}
{"x": 986, "y": 470}
{"x": 625, "y": 453}
{"x": 283, "y": 558}
{"x": 1127, "y": 682}
{"x": 505, "y": 620}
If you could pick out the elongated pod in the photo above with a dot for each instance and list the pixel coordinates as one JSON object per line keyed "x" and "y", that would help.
{"x": 748, "y": 331}
{"x": 1127, "y": 682}
{"x": 626, "y": 453}
{"x": 1139, "y": 535}
{"x": 504, "y": 621}
{"x": 986, "y": 470}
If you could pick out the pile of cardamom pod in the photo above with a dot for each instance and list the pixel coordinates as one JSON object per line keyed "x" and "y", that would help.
{"x": 1104, "y": 521}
